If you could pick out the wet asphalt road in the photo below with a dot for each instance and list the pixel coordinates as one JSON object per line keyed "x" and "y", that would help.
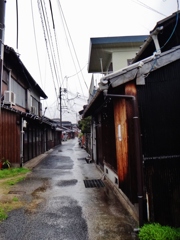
{"x": 58, "y": 206}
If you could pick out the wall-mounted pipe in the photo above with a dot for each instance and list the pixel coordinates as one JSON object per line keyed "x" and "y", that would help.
{"x": 21, "y": 143}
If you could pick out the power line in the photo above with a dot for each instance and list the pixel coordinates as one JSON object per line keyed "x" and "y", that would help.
{"x": 47, "y": 48}
{"x": 36, "y": 43}
{"x": 17, "y": 23}
{"x": 77, "y": 72}
{"x": 148, "y": 7}
{"x": 72, "y": 43}
{"x": 55, "y": 39}
{"x": 48, "y": 29}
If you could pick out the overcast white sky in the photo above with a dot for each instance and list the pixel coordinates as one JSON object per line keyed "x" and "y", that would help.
{"x": 85, "y": 19}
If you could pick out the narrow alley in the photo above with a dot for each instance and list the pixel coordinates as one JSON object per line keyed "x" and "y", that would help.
{"x": 58, "y": 204}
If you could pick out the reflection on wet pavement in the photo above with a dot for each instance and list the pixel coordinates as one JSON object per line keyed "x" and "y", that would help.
{"x": 59, "y": 206}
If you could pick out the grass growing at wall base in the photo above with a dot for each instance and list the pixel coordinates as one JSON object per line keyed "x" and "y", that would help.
{"x": 3, "y": 214}
{"x": 8, "y": 178}
{"x": 155, "y": 231}
{"x": 5, "y": 173}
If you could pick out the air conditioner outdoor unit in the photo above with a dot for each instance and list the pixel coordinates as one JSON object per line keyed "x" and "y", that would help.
{"x": 9, "y": 98}
{"x": 33, "y": 110}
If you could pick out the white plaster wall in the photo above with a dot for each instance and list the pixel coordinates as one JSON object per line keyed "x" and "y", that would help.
{"x": 111, "y": 175}
{"x": 120, "y": 57}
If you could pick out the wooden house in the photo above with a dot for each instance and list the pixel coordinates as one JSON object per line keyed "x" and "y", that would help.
{"x": 136, "y": 119}
{"x": 24, "y": 130}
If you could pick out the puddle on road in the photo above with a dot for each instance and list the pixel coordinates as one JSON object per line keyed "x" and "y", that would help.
{"x": 66, "y": 183}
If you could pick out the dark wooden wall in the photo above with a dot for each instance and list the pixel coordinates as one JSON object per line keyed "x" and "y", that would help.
{"x": 106, "y": 147}
{"x": 39, "y": 138}
{"x": 159, "y": 101}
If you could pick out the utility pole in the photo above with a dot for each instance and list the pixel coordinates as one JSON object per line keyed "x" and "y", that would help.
{"x": 2, "y": 27}
{"x": 60, "y": 107}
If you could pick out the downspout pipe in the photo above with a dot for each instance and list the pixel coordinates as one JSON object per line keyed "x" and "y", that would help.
{"x": 21, "y": 144}
{"x": 138, "y": 152}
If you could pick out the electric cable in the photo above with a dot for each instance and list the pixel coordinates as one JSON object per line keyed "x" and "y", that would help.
{"x": 47, "y": 48}
{"x": 72, "y": 44}
{"x": 173, "y": 31}
{"x": 175, "y": 26}
{"x": 50, "y": 42}
{"x": 17, "y": 24}
{"x": 36, "y": 43}
{"x": 55, "y": 37}
{"x": 78, "y": 72}
{"x": 148, "y": 7}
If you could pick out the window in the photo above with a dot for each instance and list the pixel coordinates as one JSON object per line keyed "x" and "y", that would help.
{"x": 35, "y": 103}
{"x": 20, "y": 93}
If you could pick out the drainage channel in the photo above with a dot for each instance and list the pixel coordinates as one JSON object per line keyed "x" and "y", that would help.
{"x": 94, "y": 183}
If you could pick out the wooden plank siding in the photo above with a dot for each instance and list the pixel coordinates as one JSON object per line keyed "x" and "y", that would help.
{"x": 121, "y": 145}
{"x": 130, "y": 89}
{"x": 125, "y": 149}
{"x": 9, "y": 136}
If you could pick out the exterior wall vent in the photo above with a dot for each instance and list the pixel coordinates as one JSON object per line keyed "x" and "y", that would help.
{"x": 9, "y": 98}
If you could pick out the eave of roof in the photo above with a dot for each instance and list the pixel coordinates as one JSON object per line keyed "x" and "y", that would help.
{"x": 31, "y": 82}
{"x": 148, "y": 45}
{"x": 101, "y": 48}
{"x": 30, "y": 116}
{"x": 136, "y": 71}
{"x": 95, "y": 103}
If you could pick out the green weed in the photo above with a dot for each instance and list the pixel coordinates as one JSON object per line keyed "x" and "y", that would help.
{"x": 155, "y": 231}
{"x": 3, "y": 214}
{"x": 15, "y": 199}
{"x": 5, "y": 173}
{"x": 12, "y": 182}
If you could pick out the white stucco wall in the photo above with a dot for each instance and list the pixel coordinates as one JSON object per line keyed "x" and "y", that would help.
{"x": 110, "y": 175}
{"x": 120, "y": 57}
